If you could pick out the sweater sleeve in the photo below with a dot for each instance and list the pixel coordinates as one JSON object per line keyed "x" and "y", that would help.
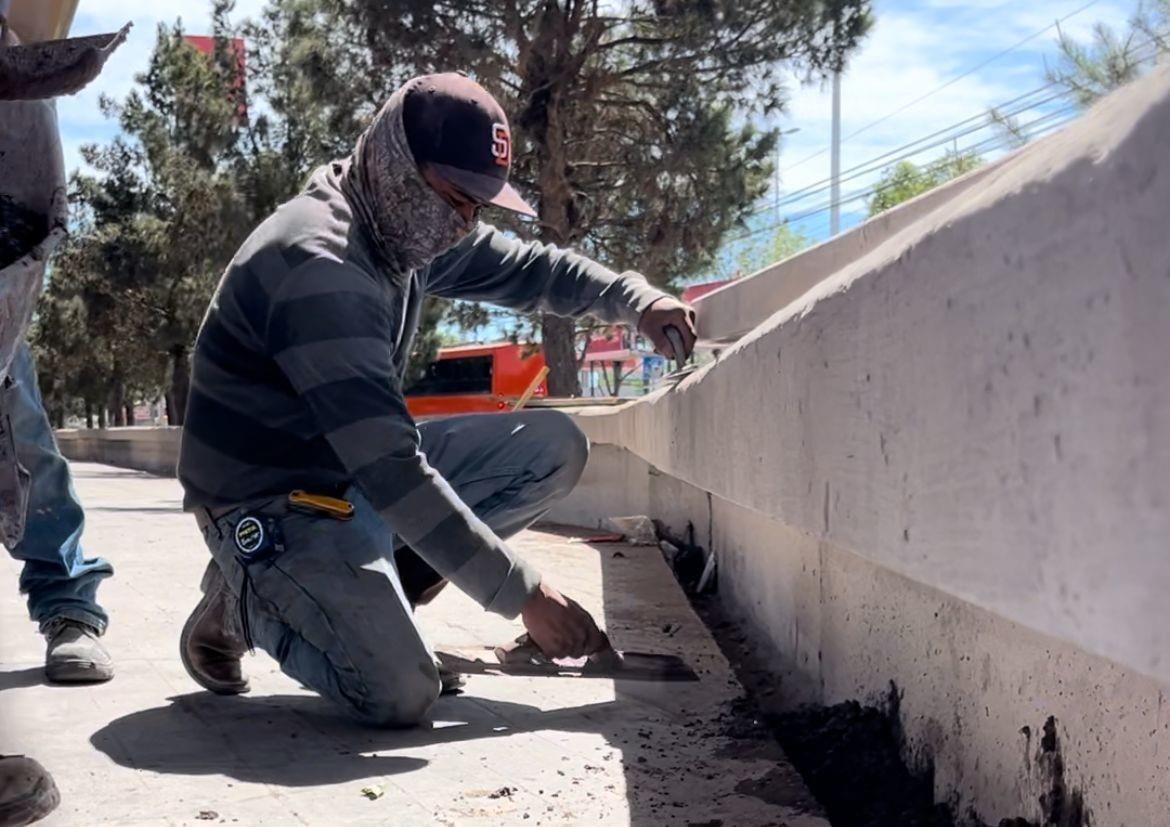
{"x": 490, "y": 266}
{"x": 329, "y": 330}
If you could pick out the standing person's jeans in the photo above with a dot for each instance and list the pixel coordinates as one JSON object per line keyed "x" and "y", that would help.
{"x": 59, "y": 581}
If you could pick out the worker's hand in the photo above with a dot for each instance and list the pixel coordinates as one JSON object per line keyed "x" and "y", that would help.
{"x": 669, "y": 312}
{"x": 559, "y": 626}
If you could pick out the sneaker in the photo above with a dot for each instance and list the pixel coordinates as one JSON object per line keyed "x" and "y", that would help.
{"x": 74, "y": 654}
{"x": 211, "y": 646}
{"x": 27, "y": 791}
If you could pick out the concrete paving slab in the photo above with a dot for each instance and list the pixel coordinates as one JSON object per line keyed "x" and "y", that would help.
{"x": 151, "y": 748}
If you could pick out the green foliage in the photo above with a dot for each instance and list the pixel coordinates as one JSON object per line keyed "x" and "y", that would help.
{"x": 783, "y": 243}
{"x": 906, "y": 180}
{"x": 198, "y": 163}
{"x": 626, "y": 133}
{"x": 154, "y": 227}
{"x": 1112, "y": 59}
{"x": 625, "y": 125}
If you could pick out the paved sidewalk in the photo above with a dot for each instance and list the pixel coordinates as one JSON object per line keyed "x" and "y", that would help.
{"x": 152, "y": 748}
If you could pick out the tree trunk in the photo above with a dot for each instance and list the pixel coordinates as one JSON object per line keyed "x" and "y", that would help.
{"x": 547, "y": 64}
{"x": 130, "y": 413}
{"x": 58, "y": 418}
{"x": 557, "y": 337}
{"x": 180, "y": 386}
{"x": 617, "y": 377}
{"x": 102, "y": 414}
{"x": 118, "y": 402}
{"x": 88, "y": 414}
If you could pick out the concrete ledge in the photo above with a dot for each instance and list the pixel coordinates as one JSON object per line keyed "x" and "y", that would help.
{"x": 734, "y": 310}
{"x": 976, "y": 690}
{"x": 151, "y": 449}
{"x": 944, "y": 465}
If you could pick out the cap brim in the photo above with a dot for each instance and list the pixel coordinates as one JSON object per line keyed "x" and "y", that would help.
{"x": 486, "y": 189}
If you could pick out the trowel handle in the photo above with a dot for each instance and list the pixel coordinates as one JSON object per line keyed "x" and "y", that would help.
{"x": 674, "y": 336}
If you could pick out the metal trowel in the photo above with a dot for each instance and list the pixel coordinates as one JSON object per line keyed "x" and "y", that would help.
{"x": 681, "y": 368}
{"x": 606, "y": 663}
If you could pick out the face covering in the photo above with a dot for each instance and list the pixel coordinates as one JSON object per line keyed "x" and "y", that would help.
{"x": 409, "y": 223}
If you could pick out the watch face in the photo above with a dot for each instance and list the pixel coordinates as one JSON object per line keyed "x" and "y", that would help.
{"x": 249, "y": 535}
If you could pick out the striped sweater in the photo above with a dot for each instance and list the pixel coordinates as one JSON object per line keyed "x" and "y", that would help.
{"x": 297, "y": 372}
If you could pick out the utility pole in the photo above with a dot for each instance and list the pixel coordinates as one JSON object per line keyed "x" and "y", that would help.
{"x": 835, "y": 162}
{"x": 775, "y": 176}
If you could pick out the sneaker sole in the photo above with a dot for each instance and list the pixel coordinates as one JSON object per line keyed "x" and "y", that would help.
{"x": 210, "y": 684}
{"x": 81, "y": 671}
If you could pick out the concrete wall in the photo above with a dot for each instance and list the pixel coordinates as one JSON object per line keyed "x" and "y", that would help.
{"x": 939, "y": 457}
{"x": 147, "y": 449}
{"x": 947, "y": 464}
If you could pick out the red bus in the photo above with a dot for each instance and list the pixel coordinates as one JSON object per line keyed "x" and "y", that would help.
{"x": 476, "y": 379}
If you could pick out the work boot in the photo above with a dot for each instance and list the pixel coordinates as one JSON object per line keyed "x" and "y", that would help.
{"x": 211, "y": 644}
{"x": 74, "y": 654}
{"x": 27, "y": 791}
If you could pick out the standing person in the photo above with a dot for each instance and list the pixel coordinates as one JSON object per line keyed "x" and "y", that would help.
{"x": 61, "y": 583}
{"x": 296, "y": 385}
{"x": 40, "y": 517}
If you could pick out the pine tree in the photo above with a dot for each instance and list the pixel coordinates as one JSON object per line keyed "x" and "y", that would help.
{"x": 630, "y": 128}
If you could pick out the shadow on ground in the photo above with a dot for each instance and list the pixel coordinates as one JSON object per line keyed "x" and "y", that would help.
{"x": 297, "y": 740}
{"x": 22, "y": 678}
{"x": 679, "y": 743}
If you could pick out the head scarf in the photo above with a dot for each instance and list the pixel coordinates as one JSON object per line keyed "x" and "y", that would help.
{"x": 409, "y": 222}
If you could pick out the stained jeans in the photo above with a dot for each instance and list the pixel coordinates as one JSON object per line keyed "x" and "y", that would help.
{"x": 59, "y": 581}
{"x": 330, "y": 607}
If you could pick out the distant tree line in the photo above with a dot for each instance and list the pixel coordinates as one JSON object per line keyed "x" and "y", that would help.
{"x": 628, "y": 130}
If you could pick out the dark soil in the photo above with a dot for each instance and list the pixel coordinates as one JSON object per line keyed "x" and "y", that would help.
{"x": 850, "y": 757}
{"x": 21, "y": 229}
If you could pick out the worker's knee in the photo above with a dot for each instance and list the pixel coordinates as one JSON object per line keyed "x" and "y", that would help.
{"x": 401, "y": 700}
{"x": 576, "y": 452}
{"x": 565, "y": 443}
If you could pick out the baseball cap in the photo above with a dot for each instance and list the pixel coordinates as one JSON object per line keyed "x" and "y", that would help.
{"x": 459, "y": 130}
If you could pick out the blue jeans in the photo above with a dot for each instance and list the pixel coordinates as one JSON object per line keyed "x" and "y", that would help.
{"x": 330, "y": 606}
{"x": 59, "y": 581}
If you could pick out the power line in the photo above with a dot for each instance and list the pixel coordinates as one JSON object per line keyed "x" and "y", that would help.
{"x": 943, "y": 136}
{"x": 1039, "y": 126}
{"x": 1142, "y": 53}
{"x": 949, "y": 82}
{"x": 994, "y": 142}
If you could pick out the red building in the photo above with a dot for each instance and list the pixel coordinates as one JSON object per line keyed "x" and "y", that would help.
{"x": 236, "y": 48}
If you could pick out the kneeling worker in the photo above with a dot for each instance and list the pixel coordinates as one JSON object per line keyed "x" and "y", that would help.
{"x": 296, "y": 386}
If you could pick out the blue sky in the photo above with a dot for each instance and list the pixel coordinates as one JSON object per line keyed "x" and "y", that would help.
{"x": 916, "y": 46}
